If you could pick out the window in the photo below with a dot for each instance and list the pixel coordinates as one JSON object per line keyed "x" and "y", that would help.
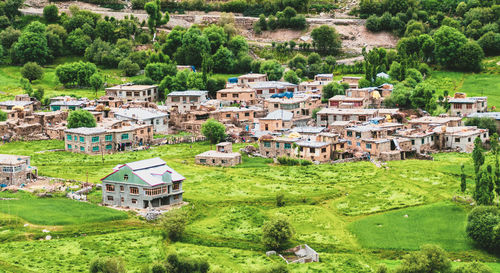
{"x": 176, "y": 197}
{"x": 277, "y": 145}
{"x": 82, "y": 148}
{"x": 412, "y": 142}
{"x": 323, "y": 150}
{"x": 95, "y": 139}
{"x": 124, "y": 136}
{"x": 469, "y": 139}
{"x": 228, "y": 115}
{"x": 469, "y": 106}
{"x": 109, "y": 147}
{"x": 125, "y": 177}
{"x": 157, "y": 122}
{"x": 267, "y": 144}
{"x": 82, "y": 139}
{"x": 432, "y": 138}
{"x": 95, "y": 149}
{"x": 368, "y": 145}
{"x": 68, "y": 137}
{"x": 223, "y": 95}
{"x": 358, "y": 144}
{"x": 358, "y": 135}
{"x": 457, "y": 139}
{"x": 110, "y": 198}
{"x": 108, "y": 138}
{"x": 8, "y": 169}
{"x": 134, "y": 190}
{"x": 134, "y": 201}
{"x": 69, "y": 147}
{"x": 349, "y": 142}
{"x": 312, "y": 150}
{"x": 235, "y": 95}
{"x": 288, "y": 145}
{"x": 247, "y": 114}
{"x": 203, "y": 160}
{"x": 122, "y": 188}
{"x": 423, "y": 140}
{"x": 123, "y": 200}
{"x": 110, "y": 187}
{"x": 176, "y": 186}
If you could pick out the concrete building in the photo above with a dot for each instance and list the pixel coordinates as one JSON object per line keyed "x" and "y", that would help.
{"x": 267, "y": 89}
{"x": 353, "y": 82}
{"x": 429, "y": 122}
{"x": 313, "y": 86}
{"x": 131, "y": 92}
{"x": 149, "y": 183}
{"x": 106, "y": 141}
{"x": 146, "y": 116}
{"x": 421, "y": 141}
{"x": 28, "y": 106}
{"x": 463, "y": 107}
{"x": 325, "y": 78}
{"x": 68, "y": 105}
{"x": 341, "y": 101}
{"x": 299, "y": 104}
{"x": 274, "y": 147}
{"x": 222, "y": 156}
{"x": 109, "y": 101}
{"x": 244, "y": 80}
{"x": 184, "y": 101}
{"x": 459, "y": 138}
{"x": 244, "y": 96}
{"x": 314, "y": 150}
{"x": 280, "y": 120}
{"x": 16, "y": 170}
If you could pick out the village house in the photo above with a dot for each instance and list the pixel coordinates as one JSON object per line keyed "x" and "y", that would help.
{"x": 324, "y": 78}
{"x": 308, "y": 131}
{"x": 222, "y": 156}
{"x": 314, "y": 151}
{"x": 326, "y": 116}
{"x": 27, "y": 106}
{"x": 427, "y": 122}
{"x": 147, "y": 116}
{"x": 149, "y": 183}
{"x": 69, "y": 105}
{"x": 110, "y": 101}
{"x": 273, "y": 147}
{"x": 120, "y": 137}
{"x": 341, "y": 101}
{"x": 299, "y": 104}
{"x": 237, "y": 115}
{"x": 459, "y": 138}
{"x": 184, "y": 101}
{"x": 338, "y": 144}
{"x": 267, "y": 89}
{"x": 281, "y": 120}
{"x": 353, "y": 82}
{"x": 131, "y": 92}
{"x": 244, "y": 80}
{"x": 243, "y": 96}
{"x": 16, "y": 170}
{"x": 462, "y": 106}
{"x": 421, "y": 141}
{"x": 312, "y": 87}
{"x": 493, "y": 115}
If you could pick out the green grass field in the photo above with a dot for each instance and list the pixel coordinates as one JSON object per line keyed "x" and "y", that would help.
{"x": 56, "y": 211}
{"x": 229, "y": 205}
{"x": 441, "y": 224}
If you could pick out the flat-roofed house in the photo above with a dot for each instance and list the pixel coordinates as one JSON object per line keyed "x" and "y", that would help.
{"x": 68, "y": 105}
{"x": 222, "y": 156}
{"x": 463, "y": 107}
{"x": 267, "y": 89}
{"x": 184, "y": 101}
{"x": 244, "y": 80}
{"x": 273, "y": 147}
{"x": 493, "y": 115}
{"x": 239, "y": 95}
{"x": 280, "y": 120}
{"x": 16, "y": 170}
{"x": 431, "y": 122}
{"x": 353, "y": 82}
{"x": 149, "y": 183}
{"x": 11, "y": 104}
{"x": 341, "y": 101}
{"x": 132, "y": 92}
{"x": 323, "y": 78}
{"x": 147, "y": 116}
{"x": 300, "y": 104}
{"x": 459, "y": 138}
{"x": 326, "y": 116}
{"x": 314, "y": 150}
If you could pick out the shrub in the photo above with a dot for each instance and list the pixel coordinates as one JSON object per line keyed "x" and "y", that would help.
{"x": 280, "y": 199}
{"x": 32, "y": 71}
{"x": 276, "y": 233}
{"x": 173, "y": 224}
{"x": 288, "y": 161}
{"x": 481, "y": 224}
{"x": 51, "y": 13}
{"x": 107, "y": 265}
{"x": 81, "y": 118}
{"x": 129, "y": 68}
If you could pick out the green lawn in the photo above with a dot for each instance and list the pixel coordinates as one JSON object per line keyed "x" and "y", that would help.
{"x": 56, "y": 211}
{"x": 441, "y": 224}
{"x": 229, "y": 205}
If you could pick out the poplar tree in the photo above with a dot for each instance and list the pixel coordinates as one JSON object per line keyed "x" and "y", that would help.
{"x": 156, "y": 17}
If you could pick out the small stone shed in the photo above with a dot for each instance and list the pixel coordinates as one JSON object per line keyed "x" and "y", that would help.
{"x": 300, "y": 254}
{"x": 222, "y": 156}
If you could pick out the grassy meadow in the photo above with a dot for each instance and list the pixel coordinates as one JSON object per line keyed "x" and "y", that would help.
{"x": 335, "y": 209}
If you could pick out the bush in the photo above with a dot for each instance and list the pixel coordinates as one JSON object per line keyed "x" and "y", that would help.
{"x": 51, "y": 13}
{"x": 129, "y": 68}
{"x": 173, "y": 224}
{"x": 107, "y": 265}
{"x": 280, "y": 199}
{"x": 32, "y": 71}
{"x": 81, "y": 118}
{"x": 288, "y": 161}
{"x": 481, "y": 224}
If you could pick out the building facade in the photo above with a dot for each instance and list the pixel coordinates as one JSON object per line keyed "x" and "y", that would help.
{"x": 131, "y": 92}
{"x": 16, "y": 170}
{"x": 185, "y": 101}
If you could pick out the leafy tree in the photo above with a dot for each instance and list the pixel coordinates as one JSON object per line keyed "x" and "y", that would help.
{"x": 105, "y": 30}
{"x": 237, "y": 45}
{"x": 81, "y": 118}
{"x": 483, "y": 193}
{"x": 430, "y": 259}
{"x": 298, "y": 62}
{"x": 490, "y": 43}
{"x": 158, "y": 71}
{"x": 78, "y": 41}
{"x": 423, "y": 97}
{"x": 400, "y": 97}
{"x": 273, "y": 69}
{"x": 397, "y": 71}
{"x": 96, "y": 81}
{"x": 448, "y": 42}
{"x": 107, "y": 265}
{"x": 216, "y": 36}
{"x": 332, "y": 89}
{"x": 31, "y": 46}
{"x": 155, "y": 17}
{"x": 276, "y": 233}
{"x": 326, "y": 40}
{"x": 470, "y": 57}
{"x": 291, "y": 76}
{"x": 128, "y": 67}
{"x": 223, "y": 60}
{"x": 32, "y": 71}
{"x": 463, "y": 179}
{"x": 483, "y": 123}
{"x": 38, "y": 94}
{"x": 213, "y": 130}
{"x": 173, "y": 224}
{"x": 51, "y": 13}
{"x": 481, "y": 223}
{"x": 173, "y": 41}
{"x": 175, "y": 264}
{"x": 194, "y": 46}
{"x": 478, "y": 156}
{"x": 9, "y": 36}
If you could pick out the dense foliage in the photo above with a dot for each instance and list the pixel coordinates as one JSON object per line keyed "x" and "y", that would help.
{"x": 81, "y": 118}
{"x": 483, "y": 226}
